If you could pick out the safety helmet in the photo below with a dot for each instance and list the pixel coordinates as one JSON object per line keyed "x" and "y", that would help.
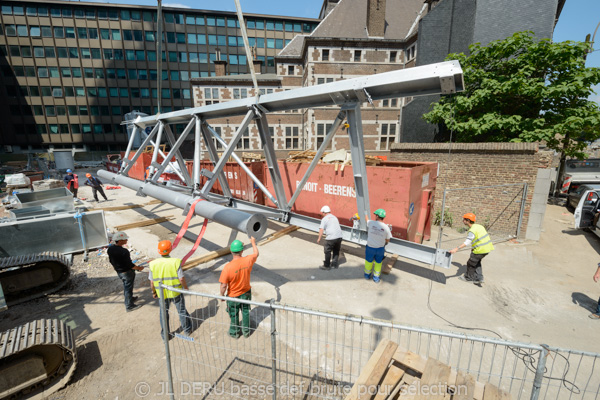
{"x": 380, "y": 213}
{"x": 164, "y": 247}
{"x": 88, "y": 175}
{"x": 69, "y": 171}
{"x": 236, "y": 246}
{"x": 356, "y": 217}
{"x": 325, "y": 209}
{"x": 119, "y": 236}
{"x": 470, "y": 216}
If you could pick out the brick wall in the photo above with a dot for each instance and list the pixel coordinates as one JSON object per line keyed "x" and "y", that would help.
{"x": 481, "y": 164}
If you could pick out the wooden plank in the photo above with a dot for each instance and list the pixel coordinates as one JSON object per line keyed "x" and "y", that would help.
{"x": 139, "y": 224}
{"x": 414, "y": 362}
{"x": 492, "y": 392}
{"x": 373, "y": 371}
{"x": 404, "y": 390}
{"x": 435, "y": 373}
{"x": 390, "y": 381}
{"x": 478, "y": 392}
{"x": 127, "y": 207}
{"x": 194, "y": 262}
{"x": 464, "y": 387}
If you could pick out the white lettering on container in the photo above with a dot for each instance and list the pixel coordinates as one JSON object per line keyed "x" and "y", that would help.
{"x": 338, "y": 190}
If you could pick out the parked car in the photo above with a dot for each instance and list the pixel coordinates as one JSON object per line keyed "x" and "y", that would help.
{"x": 587, "y": 208}
{"x": 575, "y": 196}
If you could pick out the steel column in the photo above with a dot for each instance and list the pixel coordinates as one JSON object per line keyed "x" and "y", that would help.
{"x": 166, "y": 333}
{"x": 175, "y": 149}
{"x": 271, "y": 158}
{"x": 175, "y": 152}
{"x": 127, "y": 163}
{"x": 227, "y": 153}
{"x": 197, "y": 151}
{"x": 359, "y": 166}
{"x": 336, "y": 124}
{"x": 273, "y": 350}
{"x": 214, "y": 157}
{"x": 539, "y": 373}
{"x": 258, "y": 183}
{"x": 254, "y": 225}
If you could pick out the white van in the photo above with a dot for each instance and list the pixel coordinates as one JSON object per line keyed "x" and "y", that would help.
{"x": 589, "y": 205}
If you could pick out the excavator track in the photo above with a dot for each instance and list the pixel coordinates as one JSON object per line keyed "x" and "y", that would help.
{"x": 24, "y": 278}
{"x": 36, "y": 359}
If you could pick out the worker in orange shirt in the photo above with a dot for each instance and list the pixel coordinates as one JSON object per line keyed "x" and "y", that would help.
{"x": 235, "y": 282}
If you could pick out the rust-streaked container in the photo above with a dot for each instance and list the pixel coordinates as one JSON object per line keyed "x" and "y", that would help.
{"x": 404, "y": 189}
{"x": 240, "y": 184}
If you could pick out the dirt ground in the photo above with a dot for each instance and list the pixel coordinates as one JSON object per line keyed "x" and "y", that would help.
{"x": 540, "y": 292}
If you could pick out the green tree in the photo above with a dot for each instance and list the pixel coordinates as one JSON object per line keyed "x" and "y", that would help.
{"x": 521, "y": 89}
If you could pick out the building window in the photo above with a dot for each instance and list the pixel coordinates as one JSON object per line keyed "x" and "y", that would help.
{"x": 211, "y": 95}
{"x": 325, "y": 56}
{"x": 322, "y": 130}
{"x": 357, "y": 55}
{"x": 244, "y": 142}
{"x": 388, "y": 136}
{"x": 292, "y": 137}
{"x": 393, "y": 56}
{"x": 410, "y": 53}
{"x": 290, "y": 70}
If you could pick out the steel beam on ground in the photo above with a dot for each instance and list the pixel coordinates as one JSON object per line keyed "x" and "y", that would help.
{"x": 409, "y": 82}
{"x": 254, "y": 225}
{"x": 214, "y": 157}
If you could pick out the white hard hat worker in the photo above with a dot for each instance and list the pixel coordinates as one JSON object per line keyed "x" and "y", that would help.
{"x": 325, "y": 209}
{"x": 118, "y": 236}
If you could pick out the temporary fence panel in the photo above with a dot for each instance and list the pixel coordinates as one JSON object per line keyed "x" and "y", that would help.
{"x": 404, "y": 189}
{"x": 296, "y": 353}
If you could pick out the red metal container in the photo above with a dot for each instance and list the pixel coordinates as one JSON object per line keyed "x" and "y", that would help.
{"x": 404, "y": 189}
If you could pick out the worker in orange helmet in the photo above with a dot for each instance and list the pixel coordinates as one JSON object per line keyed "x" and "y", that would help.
{"x": 481, "y": 245}
{"x": 167, "y": 270}
{"x": 96, "y": 185}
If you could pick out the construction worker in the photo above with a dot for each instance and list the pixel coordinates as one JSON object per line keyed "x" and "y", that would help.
{"x": 120, "y": 259}
{"x": 96, "y": 185}
{"x": 71, "y": 182}
{"x": 481, "y": 245}
{"x": 167, "y": 271}
{"x": 378, "y": 235}
{"x": 333, "y": 238}
{"x": 596, "y": 315}
{"x": 235, "y": 282}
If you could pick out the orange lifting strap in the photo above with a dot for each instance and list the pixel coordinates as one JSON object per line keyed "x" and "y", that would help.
{"x": 184, "y": 228}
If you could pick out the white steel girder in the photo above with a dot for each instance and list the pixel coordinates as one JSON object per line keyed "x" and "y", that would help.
{"x": 441, "y": 78}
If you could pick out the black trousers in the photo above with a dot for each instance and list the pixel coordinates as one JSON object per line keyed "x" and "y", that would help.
{"x": 332, "y": 246}
{"x": 73, "y": 190}
{"x": 98, "y": 189}
{"x": 474, "y": 272}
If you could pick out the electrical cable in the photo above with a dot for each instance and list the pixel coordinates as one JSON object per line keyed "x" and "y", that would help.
{"x": 527, "y": 357}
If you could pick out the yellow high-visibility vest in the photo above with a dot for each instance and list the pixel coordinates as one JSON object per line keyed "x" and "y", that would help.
{"x": 164, "y": 270}
{"x": 482, "y": 244}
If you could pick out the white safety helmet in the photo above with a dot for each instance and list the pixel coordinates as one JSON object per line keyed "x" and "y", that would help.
{"x": 325, "y": 209}
{"x": 119, "y": 236}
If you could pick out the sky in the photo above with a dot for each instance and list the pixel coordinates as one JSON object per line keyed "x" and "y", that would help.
{"x": 578, "y": 17}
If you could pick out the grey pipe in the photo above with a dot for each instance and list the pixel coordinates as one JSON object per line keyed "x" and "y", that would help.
{"x": 255, "y": 225}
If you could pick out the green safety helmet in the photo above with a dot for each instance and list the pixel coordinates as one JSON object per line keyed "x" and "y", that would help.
{"x": 380, "y": 213}
{"x": 236, "y": 246}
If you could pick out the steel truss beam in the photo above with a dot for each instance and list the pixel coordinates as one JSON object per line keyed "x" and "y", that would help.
{"x": 348, "y": 95}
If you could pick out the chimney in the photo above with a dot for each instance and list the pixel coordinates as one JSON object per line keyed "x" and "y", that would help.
{"x": 220, "y": 67}
{"x": 257, "y": 66}
{"x": 376, "y": 18}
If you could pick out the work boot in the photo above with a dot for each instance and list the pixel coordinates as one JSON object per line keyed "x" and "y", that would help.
{"x": 367, "y": 276}
{"x": 376, "y": 279}
{"x": 134, "y": 307}
{"x": 478, "y": 283}
{"x": 464, "y": 278}
{"x": 324, "y": 268}
{"x": 334, "y": 266}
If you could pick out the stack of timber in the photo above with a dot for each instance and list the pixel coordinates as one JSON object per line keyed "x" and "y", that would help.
{"x": 395, "y": 373}
{"x": 251, "y": 157}
{"x": 338, "y": 158}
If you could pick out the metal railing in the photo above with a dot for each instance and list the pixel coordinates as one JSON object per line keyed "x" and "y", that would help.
{"x": 294, "y": 352}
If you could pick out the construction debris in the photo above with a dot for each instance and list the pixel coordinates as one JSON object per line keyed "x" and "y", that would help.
{"x": 395, "y": 373}
{"x": 251, "y": 157}
{"x": 140, "y": 224}
{"x": 339, "y": 157}
{"x": 48, "y": 184}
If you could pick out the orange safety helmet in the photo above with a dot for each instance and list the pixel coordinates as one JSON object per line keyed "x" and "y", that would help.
{"x": 164, "y": 247}
{"x": 88, "y": 175}
{"x": 470, "y": 216}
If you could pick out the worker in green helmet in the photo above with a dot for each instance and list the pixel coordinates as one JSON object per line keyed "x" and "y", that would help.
{"x": 235, "y": 282}
{"x": 378, "y": 236}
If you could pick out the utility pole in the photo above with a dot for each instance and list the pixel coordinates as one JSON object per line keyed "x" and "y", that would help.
{"x": 159, "y": 39}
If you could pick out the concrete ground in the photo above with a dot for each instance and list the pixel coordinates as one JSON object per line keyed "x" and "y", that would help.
{"x": 534, "y": 292}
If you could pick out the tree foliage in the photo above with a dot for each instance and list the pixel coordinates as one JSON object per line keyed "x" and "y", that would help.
{"x": 521, "y": 89}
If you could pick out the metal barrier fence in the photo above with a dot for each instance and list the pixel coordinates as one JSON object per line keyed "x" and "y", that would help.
{"x": 297, "y": 353}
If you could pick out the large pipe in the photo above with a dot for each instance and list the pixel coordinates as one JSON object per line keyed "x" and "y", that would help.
{"x": 255, "y": 225}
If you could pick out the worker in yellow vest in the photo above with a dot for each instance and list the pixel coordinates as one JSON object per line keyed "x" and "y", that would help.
{"x": 167, "y": 271}
{"x": 481, "y": 246}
